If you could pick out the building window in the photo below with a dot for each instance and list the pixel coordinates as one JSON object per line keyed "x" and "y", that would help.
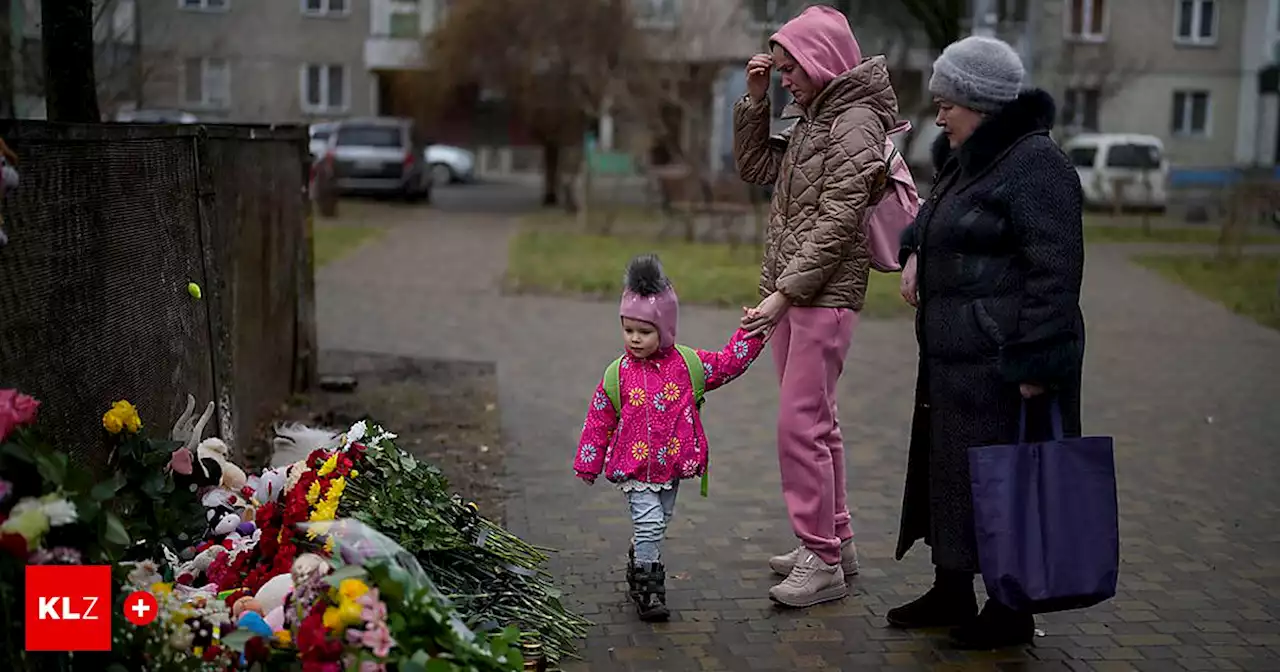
{"x": 326, "y": 7}
{"x": 1011, "y": 11}
{"x": 1080, "y": 109}
{"x": 656, "y": 12}
{"x": 405, "y": 24}
{"x": 205, "y": 5}
{"x": 206, "y": 83}
{"x": 1191, "y": 113}
{"x": 1197, "y": 22}
{"x": 1087, "y": 19}
{"x": 325, "y": 88}
{"x": 770, "y": 13}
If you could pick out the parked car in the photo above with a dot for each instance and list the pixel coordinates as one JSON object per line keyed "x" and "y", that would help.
{"x": 1131, "y": 164}
{"x": 450, "y": 164}
{"x": 381, "y": 155}
{"x": 156, "y": 116}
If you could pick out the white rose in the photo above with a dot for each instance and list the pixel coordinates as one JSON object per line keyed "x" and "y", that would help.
{"x": 59, "y": 511}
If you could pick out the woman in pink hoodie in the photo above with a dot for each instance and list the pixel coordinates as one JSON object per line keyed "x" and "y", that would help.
{"x": 827, "y": 170}
{"x": 644, "y": 429}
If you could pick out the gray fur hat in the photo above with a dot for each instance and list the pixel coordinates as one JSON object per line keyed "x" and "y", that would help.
{"x": 980, "y": 73}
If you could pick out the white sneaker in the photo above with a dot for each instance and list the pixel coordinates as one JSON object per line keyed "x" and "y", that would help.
{"x": 783, "y": 564}
{"x": 811, "y": 582}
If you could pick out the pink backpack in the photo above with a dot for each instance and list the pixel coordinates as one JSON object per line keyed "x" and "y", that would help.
{"x": 895, "y": 210}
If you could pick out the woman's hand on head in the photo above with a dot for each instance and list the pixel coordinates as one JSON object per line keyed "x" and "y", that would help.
{"x": 758, "y": 76}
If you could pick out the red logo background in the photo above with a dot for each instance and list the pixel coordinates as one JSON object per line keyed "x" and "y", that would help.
{"x": 75, "y": 582}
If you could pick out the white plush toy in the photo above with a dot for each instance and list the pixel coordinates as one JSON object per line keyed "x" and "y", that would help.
{"x": 273, "y": 593}
{"x": 233, "y": 477}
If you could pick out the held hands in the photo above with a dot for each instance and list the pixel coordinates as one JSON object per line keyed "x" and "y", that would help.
{"x": 910, "y": 290}
{"x": 758, "y": 76}
{"x": 1029, "y": 390}
{"x": 760, "y": 321}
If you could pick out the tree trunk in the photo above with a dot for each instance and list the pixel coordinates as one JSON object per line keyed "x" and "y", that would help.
{"x": 550, "y": 174}
{"x": 8, "y": 81}
{"x": 67, "y": 34}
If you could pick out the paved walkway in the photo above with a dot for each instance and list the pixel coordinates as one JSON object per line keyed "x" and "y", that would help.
{"x": 1188, "y": 390}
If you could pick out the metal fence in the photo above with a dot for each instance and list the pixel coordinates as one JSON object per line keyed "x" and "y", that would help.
{"x": 107, "y": 229}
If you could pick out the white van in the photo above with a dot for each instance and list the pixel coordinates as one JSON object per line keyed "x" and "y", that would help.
{"x": 1131, "y": 163}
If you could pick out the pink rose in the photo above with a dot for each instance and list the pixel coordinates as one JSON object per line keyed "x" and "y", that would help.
{"x": 16, "y": 410}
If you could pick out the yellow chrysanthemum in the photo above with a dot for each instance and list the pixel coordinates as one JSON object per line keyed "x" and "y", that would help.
{"x": 352, "y": 589}
{"x": 313, "y": 493}
{"x": 284, "y": 637}
{"x": 332, "y": 618}
{"x": 636, "y": 396}
{"x": 349, "y": 611}
{"x": 640, "y": 450}
{"x": 161, "y": 588}
{"x": 354, "y": 473}
{"x": 329, "y": 465}
{"x": 328, "y": 545}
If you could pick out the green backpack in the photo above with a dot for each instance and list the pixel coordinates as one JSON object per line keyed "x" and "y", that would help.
{"x": 697, "y": 378}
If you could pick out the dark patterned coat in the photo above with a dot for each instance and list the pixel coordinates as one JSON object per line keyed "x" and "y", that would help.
{"x": 1000, "y": 255}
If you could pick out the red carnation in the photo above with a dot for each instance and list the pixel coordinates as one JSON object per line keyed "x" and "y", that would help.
{"x": 256, "y": 650}
{"x": 14, "y": 544}
{"x": 16, "y": 410}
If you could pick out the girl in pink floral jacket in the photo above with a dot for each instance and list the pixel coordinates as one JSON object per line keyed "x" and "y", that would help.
{"x": 656, "y": 439}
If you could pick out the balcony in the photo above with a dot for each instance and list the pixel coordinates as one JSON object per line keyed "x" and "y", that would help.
{"x": 393, "y": 53}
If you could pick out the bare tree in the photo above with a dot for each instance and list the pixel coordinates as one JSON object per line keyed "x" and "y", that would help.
{"x": 67, "y": 33}
{"x": 121, "y": 65}
{"x": 553, "y": 61}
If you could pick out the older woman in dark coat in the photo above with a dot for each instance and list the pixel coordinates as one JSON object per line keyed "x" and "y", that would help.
{"x": 993, "y": 264}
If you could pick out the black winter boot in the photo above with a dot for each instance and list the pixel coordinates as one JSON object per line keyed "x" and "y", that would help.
{"x": 950, "y": 602}
{"x": 651, "y": 592}
{"x": 632, "y": 573}
{"x": 997, "y": 627}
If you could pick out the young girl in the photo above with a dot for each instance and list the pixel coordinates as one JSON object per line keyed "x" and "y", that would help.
{"x": 643, "y": 428}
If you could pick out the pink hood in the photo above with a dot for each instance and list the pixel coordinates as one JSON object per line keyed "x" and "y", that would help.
{"x": 821, "y": 42}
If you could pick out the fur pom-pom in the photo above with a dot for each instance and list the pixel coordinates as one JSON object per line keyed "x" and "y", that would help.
{"x": 644, "y": 276}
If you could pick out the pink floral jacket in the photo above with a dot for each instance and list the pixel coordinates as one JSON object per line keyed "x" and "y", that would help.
{"x": 659, "y": 438}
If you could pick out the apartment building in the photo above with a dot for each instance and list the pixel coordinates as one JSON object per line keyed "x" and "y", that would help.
{"x": 1185, "y": 71}
{"x": 260, "y": 61}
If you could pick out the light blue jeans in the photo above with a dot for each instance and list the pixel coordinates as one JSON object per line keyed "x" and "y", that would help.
{"x": 650, "y": 513}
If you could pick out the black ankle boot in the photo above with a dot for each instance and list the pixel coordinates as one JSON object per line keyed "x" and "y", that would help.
{"x": 651, "y": 592}
{"x": 997, "y": 627}
{"x": 632, "y": 573}
{"x": 950, "y": 602}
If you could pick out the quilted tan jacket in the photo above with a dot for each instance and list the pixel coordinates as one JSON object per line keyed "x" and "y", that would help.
{"x": 826, "y": 170}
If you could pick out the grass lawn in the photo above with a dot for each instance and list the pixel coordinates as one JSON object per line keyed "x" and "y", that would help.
{"x": 1249, "y": 287}
{"x": 570, "y": 263}
{"x": 1105, "y": 229}
{"x": 332, "y": 241}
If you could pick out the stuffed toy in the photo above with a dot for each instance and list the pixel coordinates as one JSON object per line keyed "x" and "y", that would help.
{"x": 273, "y": 593}
{"x": 231, "y": 476}
{"x": 190, "y": 473}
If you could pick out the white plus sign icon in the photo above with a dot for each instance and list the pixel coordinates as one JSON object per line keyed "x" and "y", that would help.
{"x": 140, "y": 608}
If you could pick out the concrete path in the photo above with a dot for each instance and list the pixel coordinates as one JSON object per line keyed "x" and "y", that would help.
{"x": 1188, "y": 390}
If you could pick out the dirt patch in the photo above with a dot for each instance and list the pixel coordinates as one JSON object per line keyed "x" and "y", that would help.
{"x": 444, "y": 413}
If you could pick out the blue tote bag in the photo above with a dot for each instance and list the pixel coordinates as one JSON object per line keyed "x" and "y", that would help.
{"x": 1047, "y": 520}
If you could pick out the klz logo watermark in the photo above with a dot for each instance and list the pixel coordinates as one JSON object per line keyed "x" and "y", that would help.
{"x": 68, "y": 608}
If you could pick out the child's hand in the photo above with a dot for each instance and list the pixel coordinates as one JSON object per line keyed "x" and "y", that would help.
{"x": 587, "y": 478}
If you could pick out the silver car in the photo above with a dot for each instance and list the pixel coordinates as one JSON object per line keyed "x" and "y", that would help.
{"x": 378, "y": 156}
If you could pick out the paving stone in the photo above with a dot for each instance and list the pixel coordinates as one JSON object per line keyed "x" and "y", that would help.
{"x": 1187, "y": 389}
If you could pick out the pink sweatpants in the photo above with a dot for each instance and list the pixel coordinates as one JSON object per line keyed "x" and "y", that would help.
{"x": 809, "y": 347}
